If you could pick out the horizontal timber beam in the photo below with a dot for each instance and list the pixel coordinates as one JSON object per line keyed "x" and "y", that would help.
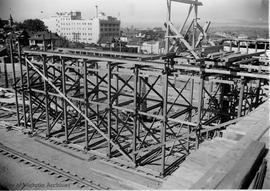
{"x": 189, "y": 2}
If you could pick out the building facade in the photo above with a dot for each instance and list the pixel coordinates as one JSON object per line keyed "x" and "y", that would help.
{"x": 74, "y": 28}
{"x": 44, "y": 40}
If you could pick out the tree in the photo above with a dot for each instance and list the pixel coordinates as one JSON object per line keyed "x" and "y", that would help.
{"x": 1, "y": 23}
{"x": 34, "y": 25}
{"x": 19, "y": 26}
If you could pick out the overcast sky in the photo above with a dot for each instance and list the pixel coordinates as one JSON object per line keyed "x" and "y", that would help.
{"x": 136, "y": 12}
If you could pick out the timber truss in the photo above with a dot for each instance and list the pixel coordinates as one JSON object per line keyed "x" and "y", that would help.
{"x": 147, "y": 112}
{"x": 188, "y": 39}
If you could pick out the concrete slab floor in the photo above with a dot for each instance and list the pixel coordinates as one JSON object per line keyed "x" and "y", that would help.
{"x": 95, "y": 170}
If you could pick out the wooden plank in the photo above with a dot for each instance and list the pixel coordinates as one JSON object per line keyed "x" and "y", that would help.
{"x": 103, "y": 52}
{"x": 189, "y": 2}
{"x": 242, "y": 173}
{"x": 233, "y": 58}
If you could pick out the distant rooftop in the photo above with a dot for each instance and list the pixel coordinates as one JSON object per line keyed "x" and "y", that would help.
{"x": 76, "y": 15}
{"x": 44, "y": 35}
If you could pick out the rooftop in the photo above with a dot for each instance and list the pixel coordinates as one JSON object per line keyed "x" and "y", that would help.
{"x": 44, "y": 35}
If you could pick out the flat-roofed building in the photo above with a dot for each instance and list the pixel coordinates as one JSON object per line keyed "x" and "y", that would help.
{"x": 71, "y": 26}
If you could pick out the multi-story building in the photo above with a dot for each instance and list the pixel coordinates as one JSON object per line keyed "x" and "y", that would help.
{"x": 74, "y": 28}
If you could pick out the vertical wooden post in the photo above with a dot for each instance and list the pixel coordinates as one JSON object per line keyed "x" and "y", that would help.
{"x": 224, "y": 102}
{"x": 117, "y": 99}
{"x": 163, "y": 127}
{"x": 142, "y": 104}
{"x": 22, "y": 84}
{"x": 247, "y": 44}
{"x": 63, "y": 100}
{"x": 97, "y": 93}
{"x": 190, "y": 112}
{"x": 257, "y": 101}
{"x": 135, "y": 109}
{"x": 142, "y": 88}
{"x": 200, "y": 106}
{"x": 210, "y": 90}
{"x": 86, "y": 105}
{"x": 109, "y": 105}
{"x": 241, "y": 96}
{"x": 238, "y": 46}
{"x": 54, "y": 76}
{"x": 5, "y": 72}
{"x": 191, "y": 97}
{"x": 47, "y": 106}
{"x": 14, "y": 82}
{"x": 79, "y": 86}
{"x": 256, "y": 46}
{"x": 29, "y": 96}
